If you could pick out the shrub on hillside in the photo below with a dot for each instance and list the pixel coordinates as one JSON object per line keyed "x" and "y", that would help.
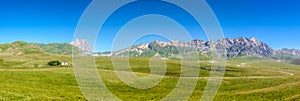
{"x": 54, "y": 63}
{"x": 296, "y": 61}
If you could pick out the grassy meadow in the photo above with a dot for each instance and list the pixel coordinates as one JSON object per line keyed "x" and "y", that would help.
{"x": 28, "y": 77}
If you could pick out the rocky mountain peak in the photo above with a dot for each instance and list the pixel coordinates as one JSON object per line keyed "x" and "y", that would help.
{"x": 253, "y": 39}
{"x": 245, "y": 47}
{"x": 83, "y": 45}
{"x": 161, "y": 43}
{"x": 143, "y": 46}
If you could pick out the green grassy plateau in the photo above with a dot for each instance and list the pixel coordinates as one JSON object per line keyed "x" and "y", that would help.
{"x": 27, "y": 77}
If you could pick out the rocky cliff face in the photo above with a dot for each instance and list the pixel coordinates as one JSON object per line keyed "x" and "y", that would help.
{"x": 245, "y": 47}
{"x": 83, "y": 45}
{"x": 233, "y": 46}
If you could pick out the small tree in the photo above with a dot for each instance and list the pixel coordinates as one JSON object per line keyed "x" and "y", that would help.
{"x": 54, "y": 63}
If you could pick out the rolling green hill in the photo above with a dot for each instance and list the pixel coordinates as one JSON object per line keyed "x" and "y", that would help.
{"x": 21, "y": 54}
{"x": 21, "y": 47}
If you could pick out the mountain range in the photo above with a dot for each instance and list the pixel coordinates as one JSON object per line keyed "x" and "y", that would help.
{"x": 235, "y": 47}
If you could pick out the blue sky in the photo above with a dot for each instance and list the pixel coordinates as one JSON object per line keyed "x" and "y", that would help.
{"x": 44, "y": 21}
{"x": 276, "y": 22}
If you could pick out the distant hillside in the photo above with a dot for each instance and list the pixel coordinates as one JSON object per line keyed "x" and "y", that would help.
{"x": 288, "y": 54}
{"x": 56, "y": 48}
{"x": 21, "y": 54}
{"x": 294, "y": 52}
{"x": 235, "y": 47}
{"x": 21, "y": 47}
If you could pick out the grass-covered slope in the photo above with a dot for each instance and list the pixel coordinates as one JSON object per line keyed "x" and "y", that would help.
{"x": 21, "y": 47}
{"x": 56, "y": 48}
{"x": 21, "y": 54}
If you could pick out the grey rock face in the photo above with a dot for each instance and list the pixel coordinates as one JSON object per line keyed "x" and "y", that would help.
{"x": 83, "y": 45}
{"x": 245, "y": 47}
